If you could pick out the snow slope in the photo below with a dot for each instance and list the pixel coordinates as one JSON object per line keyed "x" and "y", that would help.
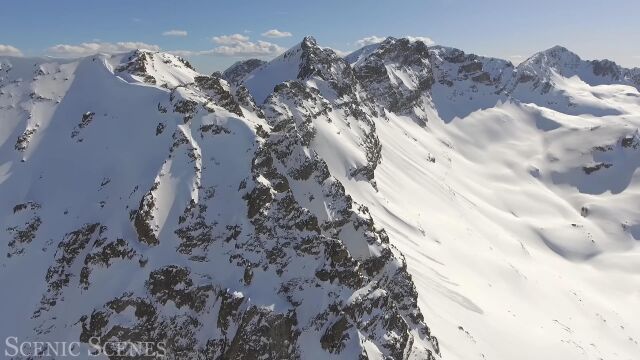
{"x": 489, "y": 212}
{"x": 146, "y": 202}
{"x": 517, "y": 208}
{"x": 320, "y": 207}
{"x": 518, "y": 220}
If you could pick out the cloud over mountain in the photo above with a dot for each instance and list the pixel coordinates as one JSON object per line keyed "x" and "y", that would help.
{"x": 369, "y": 40}
{"x": 424, "y": 39}
{"x": 8, "y": 50}
{"x": 275, "y": 33}
{"x": 89, "y": 48}
{"x": 240, "y": 45}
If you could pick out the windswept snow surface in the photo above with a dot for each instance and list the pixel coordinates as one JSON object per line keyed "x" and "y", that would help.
{"x": 487, "y": 210}
{"x": 512, "y": 193}
{"x": 285, "y": 67}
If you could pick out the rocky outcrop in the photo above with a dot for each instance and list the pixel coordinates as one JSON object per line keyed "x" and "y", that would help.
{"x": 539, "y": 68}
{"x": 236, "y": 72}
{"x": 397, "y": 74}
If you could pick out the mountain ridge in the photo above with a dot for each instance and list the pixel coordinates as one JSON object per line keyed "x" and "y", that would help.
{"x": 318, "y": 207}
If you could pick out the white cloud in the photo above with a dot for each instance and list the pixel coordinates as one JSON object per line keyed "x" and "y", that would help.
{"x": 424, "y": 39}
{"x": 248, "y": 48}
{"x": 275, "y": 33}
{"x": 8, "y": 50}
{"x": 229, "y": 45}
{"x": 175, "y": 33}
{"x": 186, "y": 53}
{"x": 230, "y": 39}
{"x": 340, "y": 52}
{"x": 369, "y": 40}
{"x": 239, "y": 49}
{"x": 240, "y": 45}
{"x": 90, "y": 48}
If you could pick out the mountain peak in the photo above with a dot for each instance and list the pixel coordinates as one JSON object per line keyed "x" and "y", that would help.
{"x": 309, "y": 41}
{"x": 301, "y": 62}
{"x": 403, "y": 51}
{"x": 154, "y": 67}
{"x": 542, "y": 64}
{"x": 557, "y": 48}
{"x": 554, "y": 56}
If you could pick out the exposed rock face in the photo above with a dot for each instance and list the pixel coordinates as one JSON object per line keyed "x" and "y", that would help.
{"x": 26, "y": 216}
{"x": 154, "y": 68}
{"x": 606, "y": 68}
{"x": 454, "y": 66}
{"x": 137, "y": 64}
{"x": 219, "y": 91}
{"x": 236, "y": 72}
{"x": 539, "y": 69}
{"x": 397, "y": 74}
{"x": 409, "y": 78}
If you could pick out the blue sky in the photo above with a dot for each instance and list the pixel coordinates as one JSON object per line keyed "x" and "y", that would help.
{"x": 214, "y": 34}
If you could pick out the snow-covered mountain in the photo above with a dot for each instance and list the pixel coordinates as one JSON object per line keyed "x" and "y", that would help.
{"x": 321, "y": 207}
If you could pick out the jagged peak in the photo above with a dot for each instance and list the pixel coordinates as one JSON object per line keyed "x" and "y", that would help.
{"x": 455, "y": 55}
{"x": 558, "y": 49}
{"x": 308, "y": 46}
{"x": 309, "y": 41}
{"x": 312, "y": 51}
{"x": 389, "y": 39}
{"x": 150, "y": 55}
{"x": 153, "y": 67}
{"x": 301, "y": 62}
{"x": 566, "y": 62}
{"x": 357, "y": 56}
{"x": 399, "y": 50}
{"x": 554, "y": 57}
{"x": 540, "y": 68}
{"x": 555, "y": 51}
{"x": 313, "y": 55}
{"x": 449, "y": 54}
